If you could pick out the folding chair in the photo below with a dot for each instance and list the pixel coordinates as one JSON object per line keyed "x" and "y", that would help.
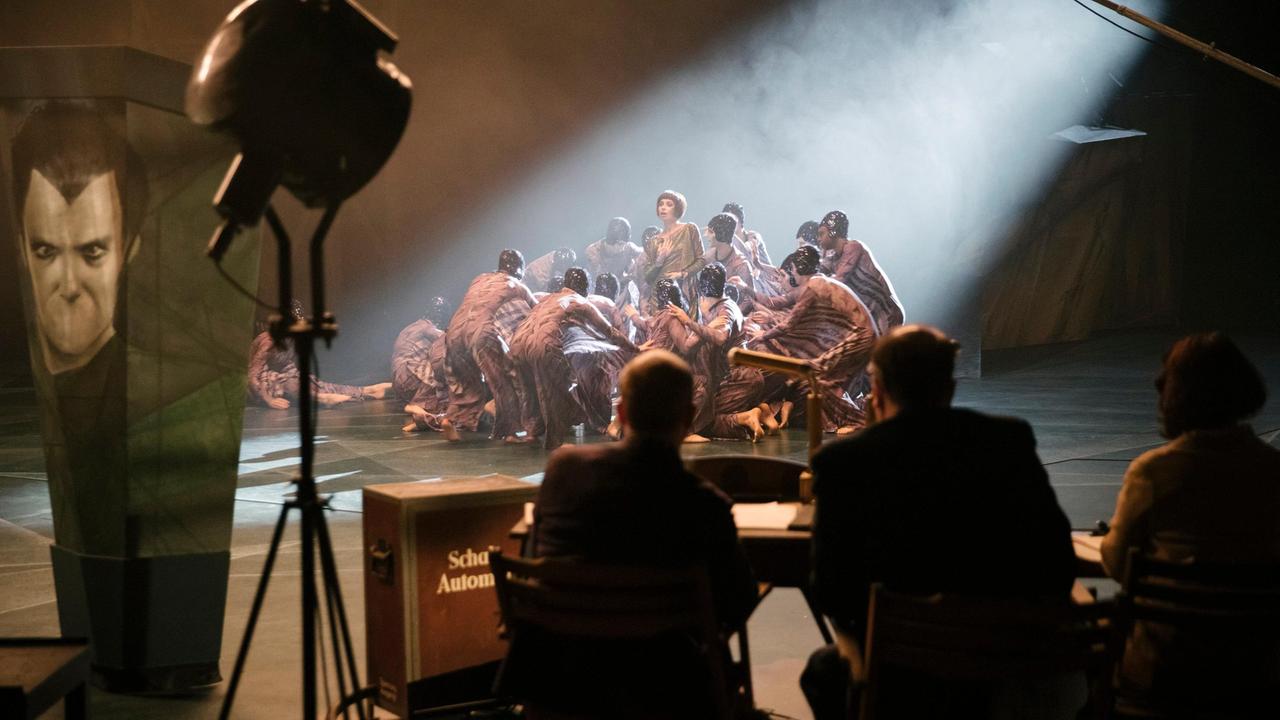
{"x": 607, "y": 602}
{"x": 1224, "y": 615}
{"x": 986, "y": 640}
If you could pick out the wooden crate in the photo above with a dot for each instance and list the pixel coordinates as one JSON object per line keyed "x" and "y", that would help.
{"x": 430, "y": 608}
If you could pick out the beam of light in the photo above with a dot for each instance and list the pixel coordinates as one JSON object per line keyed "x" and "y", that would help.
{"x": 927, "y": 121}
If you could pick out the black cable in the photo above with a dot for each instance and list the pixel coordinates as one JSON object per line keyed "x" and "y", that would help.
{"x": 242, "y": 289}
{"x": 1140, "y": 36}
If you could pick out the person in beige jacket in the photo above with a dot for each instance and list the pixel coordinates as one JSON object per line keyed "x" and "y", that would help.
{"x": 1212, "y": 494}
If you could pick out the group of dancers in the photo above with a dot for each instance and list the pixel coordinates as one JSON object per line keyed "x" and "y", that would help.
{"x": 539, "y": 347}
{"x": 533, "y": 350}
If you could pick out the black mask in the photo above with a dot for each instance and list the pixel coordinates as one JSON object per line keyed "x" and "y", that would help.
{"x": 619, "y": 231}
{"x": 607, "y": 285}
{"x": 511, "y": 262}
{"x": 711, "y": 281}
{"x": 837, "y": 222}
{"x": 722, "y": 226}
{"x": 667, "y": 292}
{"x": 575, "y": 278}
{"x": 439, "y": 312}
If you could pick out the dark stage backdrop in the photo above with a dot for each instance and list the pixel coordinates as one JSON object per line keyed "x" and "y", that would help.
{"x": 503, "y": 87}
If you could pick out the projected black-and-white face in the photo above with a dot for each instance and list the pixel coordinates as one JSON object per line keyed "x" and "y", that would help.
{"x": 74, "y": 250}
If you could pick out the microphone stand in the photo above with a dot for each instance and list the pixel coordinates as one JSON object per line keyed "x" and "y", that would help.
{"x": 315, "y": 532}
{"x": 813, "y": 408}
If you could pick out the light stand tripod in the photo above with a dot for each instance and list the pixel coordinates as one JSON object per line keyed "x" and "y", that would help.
{"x": 315, "y": 532}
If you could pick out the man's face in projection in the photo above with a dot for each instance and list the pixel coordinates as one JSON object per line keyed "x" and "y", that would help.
{"x": 74, "y": 251}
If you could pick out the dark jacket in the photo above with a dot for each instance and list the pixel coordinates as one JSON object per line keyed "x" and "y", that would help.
{"x": 633, "y": 503}
{"x": 932, "y": 501}
{"x": 630, "y": 503}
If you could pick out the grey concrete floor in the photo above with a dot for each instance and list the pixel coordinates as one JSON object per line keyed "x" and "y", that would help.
{"x": 1090, "y": 403}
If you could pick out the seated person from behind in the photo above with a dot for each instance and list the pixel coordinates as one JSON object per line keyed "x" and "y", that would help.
{"x": 928, "y": 499}
{"x": 633, "y": 503}
{"x": 1211, "y": 493}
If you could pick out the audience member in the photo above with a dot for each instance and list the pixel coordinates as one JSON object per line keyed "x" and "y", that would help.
{"x": 1211, "y": 493}
{"x": 633, "y": 503}
{"x": 928, "y": 499}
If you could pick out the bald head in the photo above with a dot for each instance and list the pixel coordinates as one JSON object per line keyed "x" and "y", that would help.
{"x": 912, "y": 367}
{"x": 657, "y": 396}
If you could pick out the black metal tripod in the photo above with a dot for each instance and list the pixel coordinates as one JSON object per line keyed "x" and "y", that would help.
{"x": 315, "y": 532}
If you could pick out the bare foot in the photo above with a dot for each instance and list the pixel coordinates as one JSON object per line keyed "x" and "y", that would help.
{"x": 449, "y": 431}
{"x": 519, "y": 439}
{"x": 278, "y": 403}
{"x": 847, "y": 429}
{"x": 491, "y": 408}
{"x": 784, "y": 415}
{"x": 331, "y": 399}
{"x": 409, "y": 427}
{"x": 376, "y": 391}
{"x": 695, "y": 438}
{"x": 751, "y": 421}
{"x": 766, "y": 416}
{"x": 614, "y": 430}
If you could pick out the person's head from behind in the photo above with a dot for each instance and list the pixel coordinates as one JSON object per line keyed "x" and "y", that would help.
{"x": 656, "y": 391}
{"x": 1207, "y": 383}
{"x": 562, "y": 259}
{"x": 80, "y": 208}
{"x": 911, "y": 369}
{"x": 807, "y": 233}
{"x": 735, "y": 209}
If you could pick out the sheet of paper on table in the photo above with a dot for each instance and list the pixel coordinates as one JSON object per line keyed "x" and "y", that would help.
{"x": 1087, "y": 547}
{"x": 764, "y": 516}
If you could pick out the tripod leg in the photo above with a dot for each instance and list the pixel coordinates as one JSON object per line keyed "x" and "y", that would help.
{"x": 332, "y": 601}
{"x": 256, "y": 610}
{"x": 308, "y": 615}
{"x": 335, "y": 603}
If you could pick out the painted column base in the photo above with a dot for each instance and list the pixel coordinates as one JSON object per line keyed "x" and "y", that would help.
{"x": 154, "y": 623}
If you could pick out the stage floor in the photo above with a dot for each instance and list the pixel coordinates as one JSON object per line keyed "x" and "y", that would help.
{"x": 1091, "y": 404}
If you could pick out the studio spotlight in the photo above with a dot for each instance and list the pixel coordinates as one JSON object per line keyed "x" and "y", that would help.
{"x": 300, "y": 84}
{"x": 302, "y": 88}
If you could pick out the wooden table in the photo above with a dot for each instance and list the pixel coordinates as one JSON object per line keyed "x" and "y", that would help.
{"x": 35, "y": 673}
{"x": 781, "y": 557}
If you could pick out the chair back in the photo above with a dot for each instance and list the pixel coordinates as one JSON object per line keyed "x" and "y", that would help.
{"x": 985, "y": 639}
{"x": 750, "y": 478}
{"x": 1212, "y": 596}
{"x": 1218, "y": 625}
{"x": 587, "y": 600}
